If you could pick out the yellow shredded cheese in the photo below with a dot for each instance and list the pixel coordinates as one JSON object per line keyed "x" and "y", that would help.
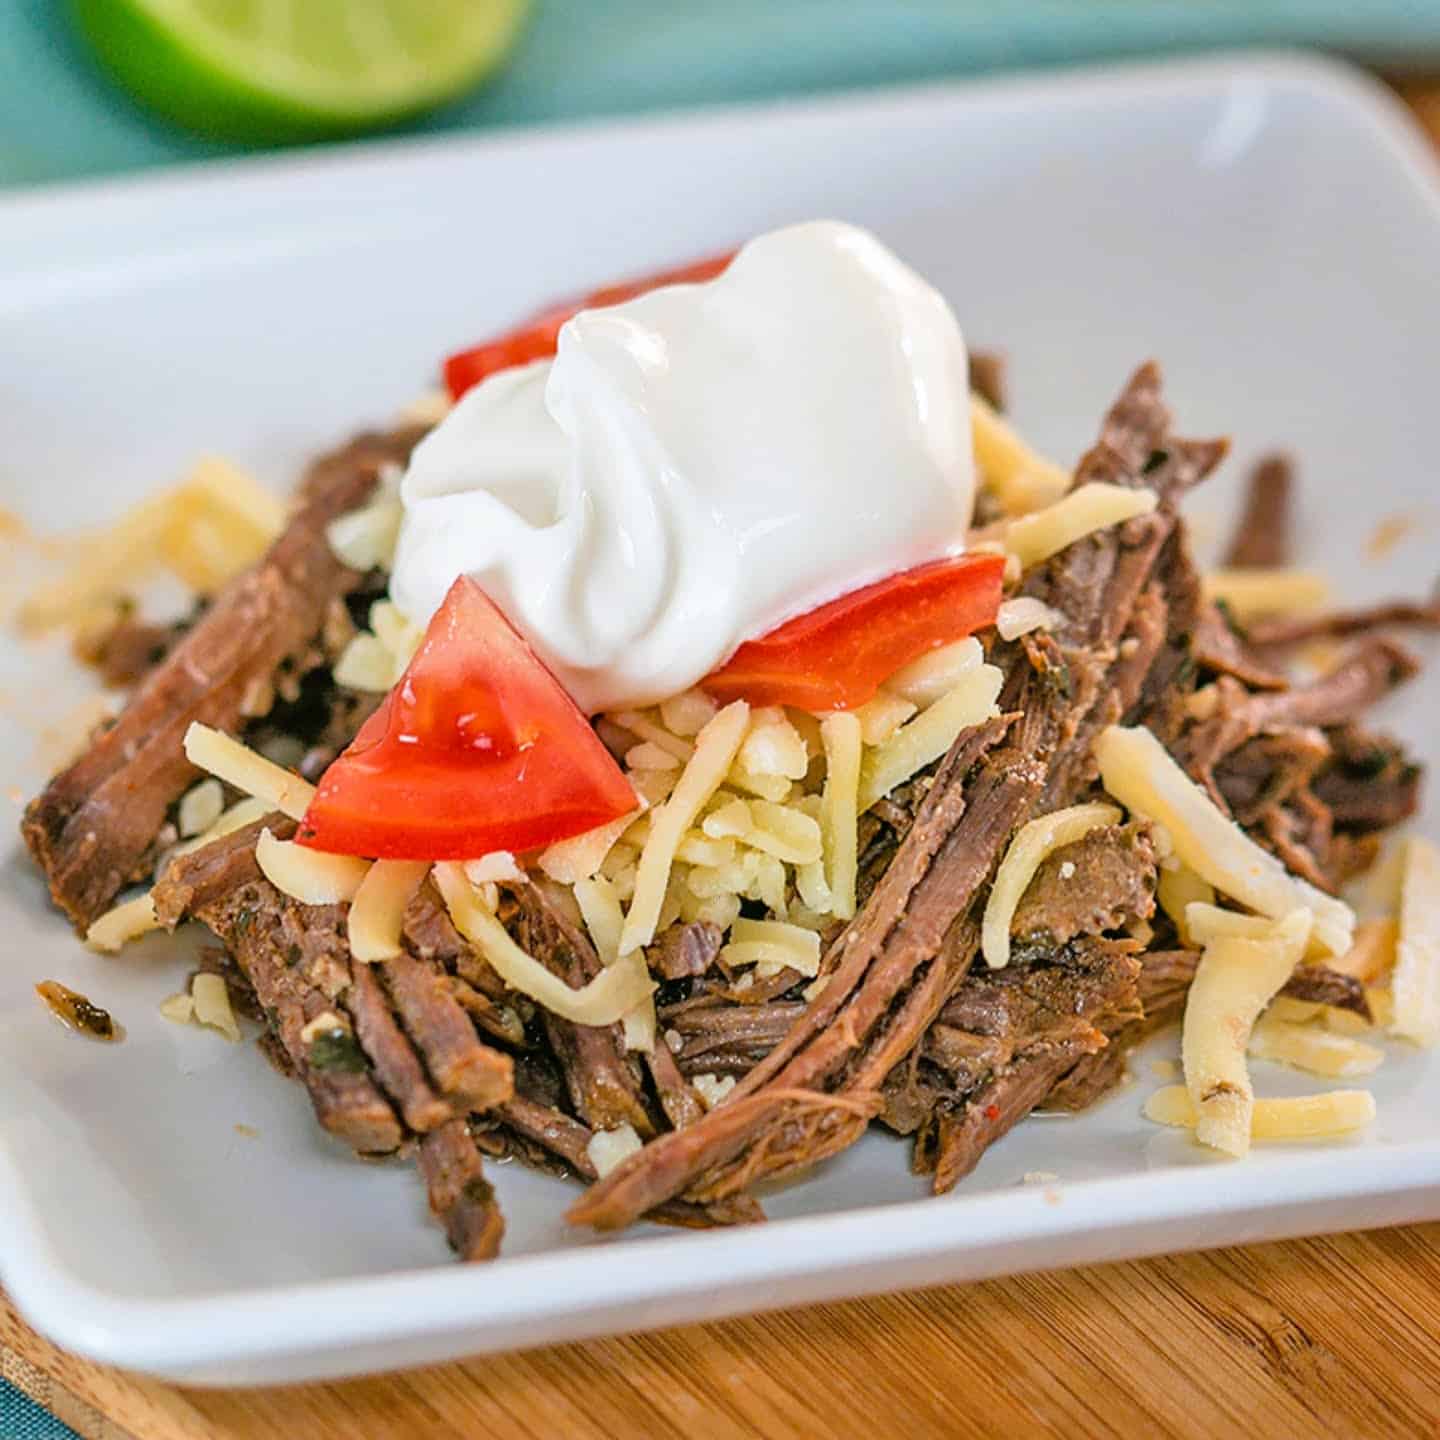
{"x": 773, "y": 942}
{"x": 310, "y": 876}
{"x": 238, "y": 765}
{"x": 604, "y": 1000}
{"x": 1299, "y": 1117}
{"x": 922, "y": 682}
{"x": 881, "y": 717}
{"x": 1177, "y": 887}
{"x": 715, "y": 749}
{"x": 1305, "y": 1047}
{"x": 1144, "y": 777}
{"x": 377, "y": 913}
{"x": 1235, "y": 980}
{"x": 1032, "y": 844}
{"x": 687, "y": 713}
{"x": 774, "y": 747}
{"x": 1092, "y": 507}
{"x": 1416, "y": 982}
{"x": 178, "y": 1009}
{"x": 569, "y": 861}
{"x": 125, "y": 922}
{"x": 1372, "y": 955}
{"x": 1023, "y": 614}
{"x": 1250, "y": 594}
{"x": 1020, "y": 479}
{"x": 604, "y": 919}
{"x": 237, "y": 817}
{"x": 930, "y": 734}
{"x": 365, "y": 539}
{"x": 840, "y": 808}
{"x": 212, "y": 1005}
{"x": 367, "y": 664}
{"x": 200, "y": 807}
{"x": 607, "y": 1148}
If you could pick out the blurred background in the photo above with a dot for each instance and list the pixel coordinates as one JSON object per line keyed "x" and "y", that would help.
{"x": 215, "y": 77}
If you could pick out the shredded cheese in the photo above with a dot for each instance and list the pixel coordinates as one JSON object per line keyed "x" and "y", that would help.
{"x": 1032, "y": 844}
{"x": 774, "y": 747}
{"x": 496, "y": 866}
{"x": 1235, "y": 980}
{"x": 840, "y": 807}
{"x": 178, "y": 1009}
{"x": 715, "y": 749}
{"x": 1144, "y": 777}
{"x": 1320, "y": 1052}
{"x": 687, "y": 713}
{"x": 1299, "y": 1117}
{"x": 1250, "y": 594}
{"x": 773, "y": 942}
{"x": 310, "y": 876}
{"x": 930, "y": 734}
{"x": 1023, "y": 614}
{"x": 881, "y": 717}
{"x": 248, "y": 771}
{"x": 377, "y": 912}
{"x": 365, "y": 539}
{"x": 617, "y": 989}
{"x": 1092, "y": 507}
{"x": 366, "y": 664}
{"x": 1177, "y": 887}
{"x": 713, "y": 1089}
{"x": 607, "y": 1148}
{"x": 604, "y": 919}
{"x": 200, "y": 807}
{"x": 125, "y": 922}
{"x": 1372, "y": 955}
{"x": 922, "y": 682}
{"x": 1020, "y": 479}
{"x": 569, "y": 861}
{"x": 1416, "y": 983}
{"x": 212, "y": 1005}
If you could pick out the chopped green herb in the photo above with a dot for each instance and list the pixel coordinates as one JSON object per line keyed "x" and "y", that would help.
{"x": 336, "y": 1050}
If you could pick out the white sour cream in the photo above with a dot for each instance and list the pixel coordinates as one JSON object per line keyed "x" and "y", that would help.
{"x": 700, "y": 464}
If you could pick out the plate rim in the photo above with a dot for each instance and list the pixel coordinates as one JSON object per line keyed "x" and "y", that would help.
{"x": 201, "y": 1338}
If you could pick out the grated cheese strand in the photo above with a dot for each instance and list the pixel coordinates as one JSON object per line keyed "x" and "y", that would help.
{"x": 212, "y": 1006}
{"x": 930, "y": 734}
{"x": 310, "y": 876}
{"x": 1020, "y": 479}
{"x": 715, "y": 749}
{"x": 840, "y": 809}
{"x": 1416, "y": 982}
{"x": 1298, "y": 1117}
{"x": 604, "y": 1000}
{"x": 247, "y": 770}
{"x": 1249, "y": 594}
{"x": 1092, "y": 507}
{"x": 1144, "y": 777}
{"x": 1305, "y": 1047}
{"x": 578, "y": 858}
{"x": 773, "y": 942}
{"x": 1177, "y": 887}
{"x": 377, "y": 913}
{"x": 1235, "y": 980}
{"x": 603, "y": 917}
{"x": 922, "y": 682}
{"x": 1032, "y": 844}
{"x": 125, "y": 922}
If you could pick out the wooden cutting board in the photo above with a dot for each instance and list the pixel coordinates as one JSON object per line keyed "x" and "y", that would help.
{"x": 1327, "y": 1338}
{"x": 1332, "y": 1338}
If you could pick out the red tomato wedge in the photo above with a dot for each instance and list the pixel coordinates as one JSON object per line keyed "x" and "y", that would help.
{"x": 837, "y": 656}
{"x": 478, "y": 748}
{"x": 537, "y": 338}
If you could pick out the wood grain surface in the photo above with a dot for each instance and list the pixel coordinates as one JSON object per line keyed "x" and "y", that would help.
{"x": 1331, "y": 1338}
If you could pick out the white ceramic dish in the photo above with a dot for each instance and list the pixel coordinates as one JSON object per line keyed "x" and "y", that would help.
{"x": 1268, "y": 227}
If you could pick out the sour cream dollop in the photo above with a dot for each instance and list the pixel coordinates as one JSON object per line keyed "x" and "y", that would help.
{"x": 700, "y": 464}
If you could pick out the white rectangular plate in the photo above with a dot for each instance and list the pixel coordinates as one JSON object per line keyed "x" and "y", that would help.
{"x": 1267, "y": 227}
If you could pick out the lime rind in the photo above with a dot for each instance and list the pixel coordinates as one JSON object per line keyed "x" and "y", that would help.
{"x": 289, "y": 75}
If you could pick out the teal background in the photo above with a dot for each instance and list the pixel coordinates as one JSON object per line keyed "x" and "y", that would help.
{"x": 60, "y": 119}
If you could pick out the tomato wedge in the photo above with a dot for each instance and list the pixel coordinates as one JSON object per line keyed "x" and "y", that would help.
{"x": 837, "y": 656}
{"x": 537, "y": 338}
{"x": 478, "y": 748}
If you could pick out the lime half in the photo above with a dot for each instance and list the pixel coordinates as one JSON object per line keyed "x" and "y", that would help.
{"x": 277, "y": 70}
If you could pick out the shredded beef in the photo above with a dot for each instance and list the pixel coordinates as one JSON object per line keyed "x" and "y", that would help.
{"x": 1262, "y": 538}
{"x": 1100, "y": 883}
{"x": 460, "y": 1195}
{"x": 685, "y": 949}
{"x": 1280, "y": 633}
{"x": 1370, "y": 784}
{"x": 93, "y": 825}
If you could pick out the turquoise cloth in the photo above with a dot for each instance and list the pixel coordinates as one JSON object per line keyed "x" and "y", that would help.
{"x": 22, "y": 1419}
{"x": 59, "y": 117}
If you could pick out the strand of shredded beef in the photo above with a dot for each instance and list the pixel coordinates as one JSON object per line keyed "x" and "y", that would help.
{"x": 1262, "y": 537}
{"x": 1281, "y": 633}
{"x": 460, "y": 1195}
{"x": 92, "y": 827}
